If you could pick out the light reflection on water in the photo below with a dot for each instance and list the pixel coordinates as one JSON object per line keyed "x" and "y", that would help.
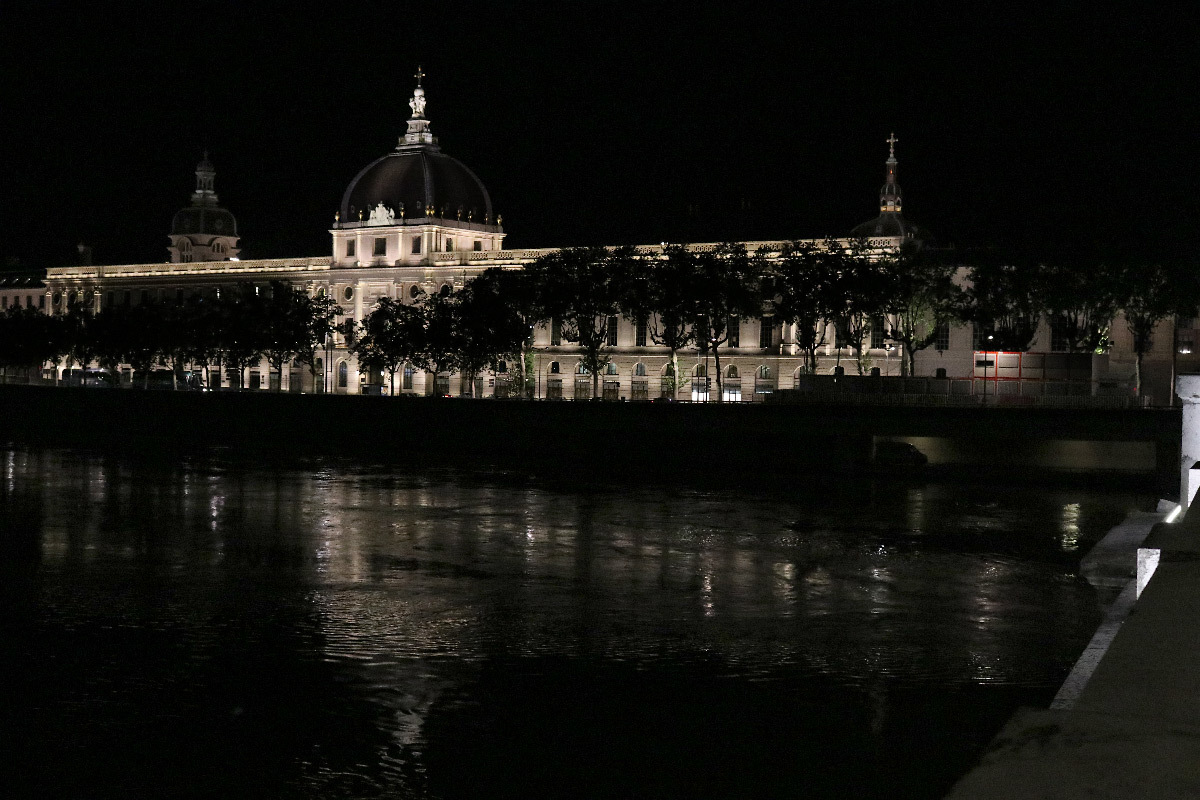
{"x": 402, "y": 628}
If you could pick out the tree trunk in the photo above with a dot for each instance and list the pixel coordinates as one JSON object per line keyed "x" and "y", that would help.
{"x": 720, "y": 385}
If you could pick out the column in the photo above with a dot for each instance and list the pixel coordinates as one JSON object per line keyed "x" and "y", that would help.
{"x": 1188, "y": 389}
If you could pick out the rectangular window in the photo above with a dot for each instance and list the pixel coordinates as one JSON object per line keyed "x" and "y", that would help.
{"x": 351, "y": 248}
{"x": 765, "y": 333}
{"x": 877, "y": 331}
{"x": 407, "y": 382}
{"x": 478, "y": 245}
{"x": 380, "y": 246}
{"x": 941, "y": 339}
{"x": 29, "y": 301}
{"x": 179, "y": 297}
{"x": 4, "y": 301}
{"x": 449, "y": 245}
{"x": 416, "y": 245}
{"x": 640, "y": 336}
{"x": 611, "y": 332}
{"x": 41, "y": 301}
{"x": 555, "y": 333}
{"x": 145, "y": 297}
{"x": 734, "y": 329}
{"x": 1058, "y": 336}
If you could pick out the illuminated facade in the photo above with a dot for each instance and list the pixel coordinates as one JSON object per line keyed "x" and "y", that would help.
{"x": 418, "y": 220}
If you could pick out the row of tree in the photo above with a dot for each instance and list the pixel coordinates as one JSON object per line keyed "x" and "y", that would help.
{"x": 685, "y": 298}
{"x": 234, "y": 329}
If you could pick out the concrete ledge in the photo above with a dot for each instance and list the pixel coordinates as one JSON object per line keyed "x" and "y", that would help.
{"x": 1134, "y": 731}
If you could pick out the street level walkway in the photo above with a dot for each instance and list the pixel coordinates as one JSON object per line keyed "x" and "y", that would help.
{"x": 1133, "y": 730}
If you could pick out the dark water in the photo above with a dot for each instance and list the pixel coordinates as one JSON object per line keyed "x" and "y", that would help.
{"x": 207, "y": 626}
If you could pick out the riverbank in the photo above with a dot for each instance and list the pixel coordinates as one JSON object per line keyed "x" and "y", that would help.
{"x": 1023, "y": 445}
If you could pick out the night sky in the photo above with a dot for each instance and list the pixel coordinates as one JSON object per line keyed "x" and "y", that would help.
{"x": 1059, "y": 133}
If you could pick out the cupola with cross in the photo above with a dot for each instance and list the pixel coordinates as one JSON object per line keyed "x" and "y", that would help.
{"x": 203, "y": 231}
{"x": 890, "y": 223}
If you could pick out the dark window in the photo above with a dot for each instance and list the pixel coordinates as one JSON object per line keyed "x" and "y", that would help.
{"x": 29, "y": 301}
{"x": 407, "y": 382}
{"x": 553, "y": 367}
{"x": 478, "y": 245}
{"x": 351, "y": 248}
{"x": 416, "y": 245}
{"x": 145, "y": 297}
{"x": 765, "y": 333}
{"x": 380, "y": 246}
{"x": 179, "y": 297}
{"x": 1058, "y": 336}
{"x": 640, "y": 336}
{"x": 41, "y": 301}
{"x": 342, "y": 375}
{"x": 877, "y": 331}
{"x": 414, "y": 292}
{"x": 555, "y": 333}
{"x": 611, "y": 332}
{"x": 4, "y": 301}
{"x": 449, "y": 245}
{"x": 942, "y": 337}
{"x": 734, "y": 329}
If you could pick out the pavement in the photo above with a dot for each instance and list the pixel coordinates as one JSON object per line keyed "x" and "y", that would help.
{"x": 1132, "y": 729}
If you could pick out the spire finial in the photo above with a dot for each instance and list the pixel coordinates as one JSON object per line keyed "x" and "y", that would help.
{"x": 420, "y": 74}
{"x": 418, "y": 126}
{"x": 891, "y": 140}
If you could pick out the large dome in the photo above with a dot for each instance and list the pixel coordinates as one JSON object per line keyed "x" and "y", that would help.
{"x": 416, "y": 178}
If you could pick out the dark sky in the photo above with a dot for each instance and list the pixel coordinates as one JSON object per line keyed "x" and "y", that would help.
{"x": 1056, "y": 131}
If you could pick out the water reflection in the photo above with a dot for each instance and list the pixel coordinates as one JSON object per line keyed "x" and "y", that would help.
{"x": 387, "y": 618}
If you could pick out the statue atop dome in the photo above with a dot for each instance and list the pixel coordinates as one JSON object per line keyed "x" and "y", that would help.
{"x": 418, "y": 127}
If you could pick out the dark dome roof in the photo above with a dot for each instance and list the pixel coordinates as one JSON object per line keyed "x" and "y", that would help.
{"x": 417, "y": 178}
{"x": 204, "y": 219}
{"x": 889, "y": 223}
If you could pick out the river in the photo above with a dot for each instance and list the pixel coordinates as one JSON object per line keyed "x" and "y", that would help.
{"x": 224, "y": 624}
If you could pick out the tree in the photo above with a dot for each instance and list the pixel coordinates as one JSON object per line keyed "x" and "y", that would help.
{"x": 661, "y": 292}
{"x": 728, "y": 288}
{"x": 581, "y": 288}
{"x": 865, "y": 284}
{"x": 1002, "y": 302}
{"x": 28, "y": 339}
{"x": 1149, "y": 293}
{"x": 924, "y": 298}
{"x": 242, "y": 333}
{"x": 1081, "y": 304}
{"x": 319, "y": 314}
{"x": 491, "y": 324}
{"x": 801, "y": 288}
{"x": 285, "y": 310}
{"x": 391, "y": 334}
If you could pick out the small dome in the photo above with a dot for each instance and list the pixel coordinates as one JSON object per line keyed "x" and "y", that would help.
{"x": 889, "y": 224}
{"x": 418, "y": 178}
{"x": 201, "y": 219}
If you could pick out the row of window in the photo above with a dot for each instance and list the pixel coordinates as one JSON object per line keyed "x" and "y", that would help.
{"x": 763, "y": 372}
{"x": 15, "y": 300}
{"x": 379, "y": 246}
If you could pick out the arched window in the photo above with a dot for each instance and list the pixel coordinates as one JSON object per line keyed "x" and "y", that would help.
{"x": 639, "y": 370}
{"x": 343, "y": 375}
{"x": 502, "y": 367}
{"x": 764, "y": 372}
{"x": 700, "y": 371}
{"x": 732, "y": 372}
{"x": 414, "y": 292}
{"x": 553, "y": 367}
{"x": 580, "y": 369}
{"x": 445, "y": 290}
{"x": 611, "y": 369}
{"x": 668, "y": 370}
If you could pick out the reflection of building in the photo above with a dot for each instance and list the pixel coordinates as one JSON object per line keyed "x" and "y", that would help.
{"x": 418, "y": 220}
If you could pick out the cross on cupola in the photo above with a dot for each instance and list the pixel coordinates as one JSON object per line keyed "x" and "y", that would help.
{"x": 889, "y": 196}
{"x": 418, "y": 127}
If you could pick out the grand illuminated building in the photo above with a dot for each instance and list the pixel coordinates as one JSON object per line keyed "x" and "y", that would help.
{"x": 417, "y": 220}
